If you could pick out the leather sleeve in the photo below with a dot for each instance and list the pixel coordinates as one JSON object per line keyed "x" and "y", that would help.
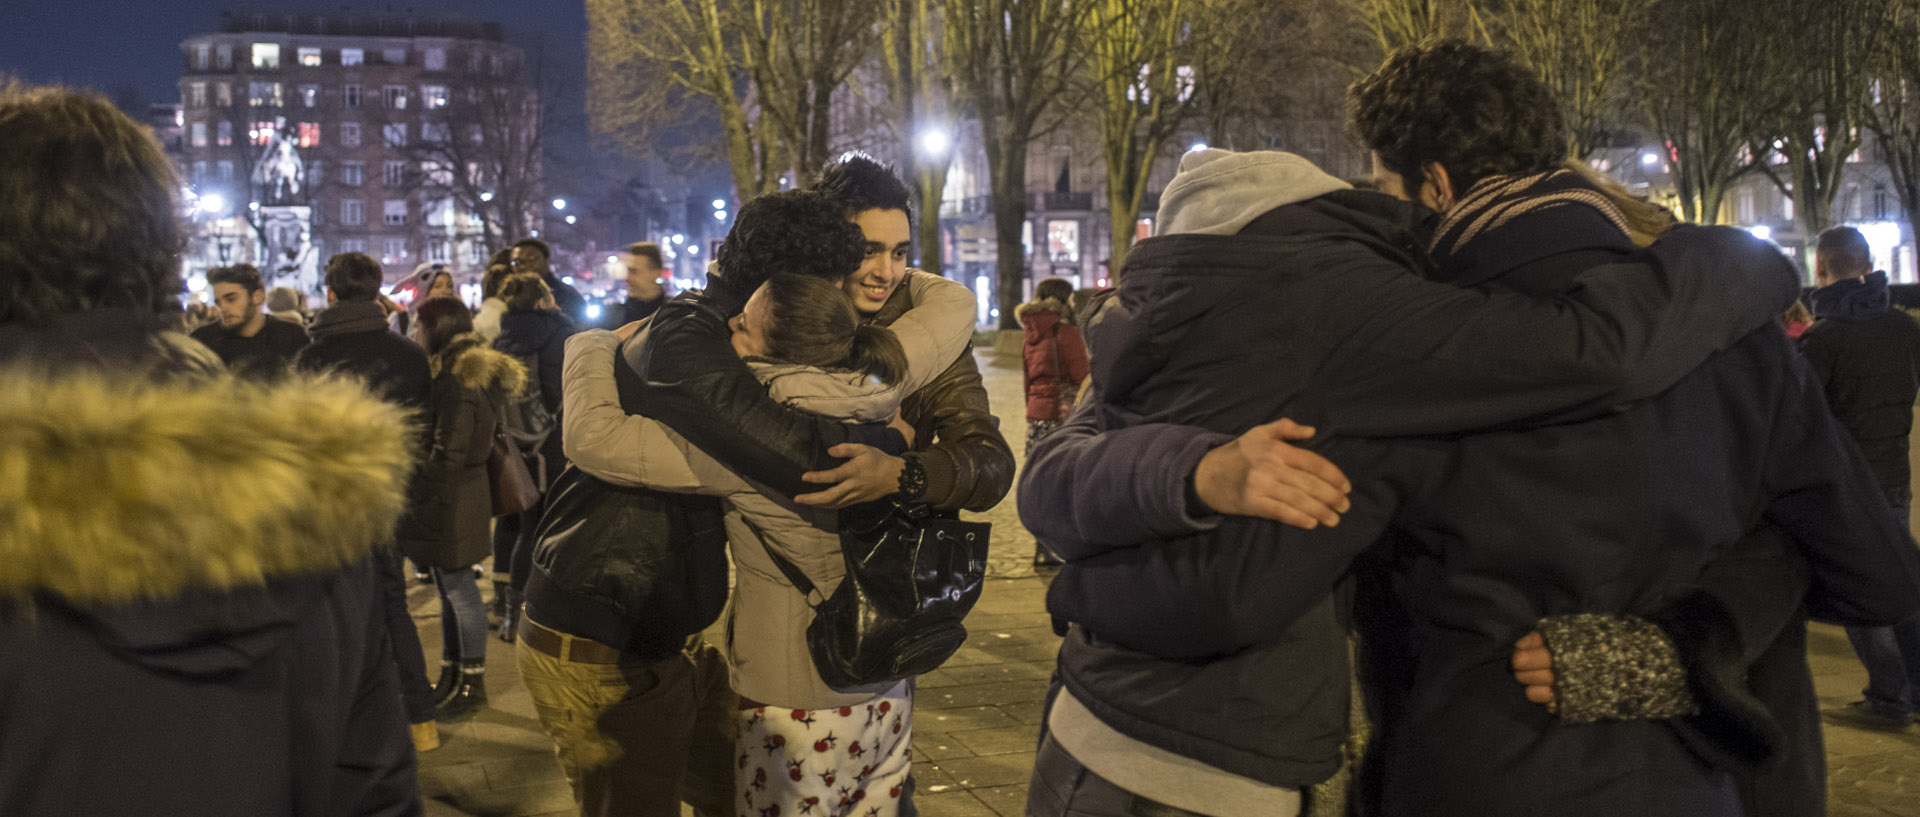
{"x": 695, "y": 383}
{"x": 969, "y": 465}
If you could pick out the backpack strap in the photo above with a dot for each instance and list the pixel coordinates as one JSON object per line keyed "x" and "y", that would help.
{"x": 788, "y": 569}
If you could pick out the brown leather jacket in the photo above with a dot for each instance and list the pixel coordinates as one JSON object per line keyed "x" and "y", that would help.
{"x": 969, "y": 465}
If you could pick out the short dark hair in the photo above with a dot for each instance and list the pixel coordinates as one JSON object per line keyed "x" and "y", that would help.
{"x": 354, "y": 276}
{"x": 247, "y": 276}
{"x": 545, "y": 251}
{"x": 89, "y": 213}
{"x": 523, "y": 291}
{"x": 860, "y": 184}
{"x": 440, "y": 321}
{"x": 1846, "y": 252}
{"x": 1472, "y": 110}
{"x": 796, "y": 231}
{"x": 649, "y": 251}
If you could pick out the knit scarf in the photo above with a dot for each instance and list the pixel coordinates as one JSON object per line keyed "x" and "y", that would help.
{"x": 1496, "y": 200}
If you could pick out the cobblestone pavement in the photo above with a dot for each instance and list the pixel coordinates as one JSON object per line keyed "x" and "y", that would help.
{"x": 975, "y": 719}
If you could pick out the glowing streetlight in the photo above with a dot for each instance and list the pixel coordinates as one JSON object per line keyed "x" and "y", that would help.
{"x": 213, "y": 204}
{"x": 559, "y": 204}
{"x": 1196, "y": 146}
{"x": 719, "y": 204}
{"x": 487, "y": 196}
{"x": 1761, "y": 231}
{"x": 1649, "y": 158}
{"x": 693, "y": 250}
{"x": 679, "y": 238}
{"x": 935, "y": 142}
{"x": 571, "y": 219}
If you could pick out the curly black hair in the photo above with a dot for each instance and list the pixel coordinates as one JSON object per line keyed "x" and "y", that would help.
{"x": 1472, "y": 110}
{"x": 796, "y": 231}
{"x": 89, "y": 213}
{"x": 860, "y": 183}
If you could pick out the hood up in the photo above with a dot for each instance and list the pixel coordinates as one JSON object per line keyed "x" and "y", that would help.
{"x": 1851, "y": 298}
{"x": 184, "y": 518}
{"x": 1219, "y": 192}
{"x": 478, "y": 366}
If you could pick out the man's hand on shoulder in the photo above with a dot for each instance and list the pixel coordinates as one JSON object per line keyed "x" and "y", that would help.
{"x": 1261, "y": 474}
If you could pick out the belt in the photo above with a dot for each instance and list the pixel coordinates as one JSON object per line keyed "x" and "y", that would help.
{"x": 567, "y": 647}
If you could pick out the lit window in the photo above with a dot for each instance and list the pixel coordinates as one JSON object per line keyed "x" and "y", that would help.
{"x": 438, "y": 213}
{"x": 352, "y": 56}
{"x": 393, "y": 174}
{"x": 434, "y": 132}
{"x": 223, "y": 58}
{"x": 394, "y": 56}
{"x": 223, "y": 134}
{"x": 197, "y": 95}
{"x": 309, "y": 96}
{"x": 476, "y": 253}
{"x": 396, "y": 97}
{"x": 1063, "y": 241}
{"x": 350, "y": 134}
{"x": 201, "y": 56}
{"x": 316, "y": 173}
{"x": 352, "y": 174}
{"x": 226, "y": 170}
{"x": 266, "y": 56}
{"x": 309, "y": 56}
{"x": 433, "y": 96}
{"x": 395, "y": 134}
{"x": 475, "y": 134}
{"x": 309, "y": 134}
{"x": 199, "y": 172}
{"x": 439, "y": 252}
{"x": 261, "y": 133}
{"x": 438, "y": 174}
{"x": 396, "y": 250}
{"x": 350, "y": 95}
{"x": 199, "y": 134}
{"x": 435, "y": 59}
{"x": 264, "y": 94}
{"x": 396, "y": 212}
{"x": 353, "y": 245}
{"x": 223, "y": 95}
{"x": 352, "y": 212}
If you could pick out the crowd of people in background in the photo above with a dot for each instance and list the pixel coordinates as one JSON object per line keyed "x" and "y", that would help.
{"x": 1537, "y": 472}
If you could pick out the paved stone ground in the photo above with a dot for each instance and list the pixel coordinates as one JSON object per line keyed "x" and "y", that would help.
{"x": 976, "y": 718}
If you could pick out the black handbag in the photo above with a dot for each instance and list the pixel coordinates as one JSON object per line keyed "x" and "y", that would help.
{"x": 912, "y": 577}
{"x": 508, "y": 479}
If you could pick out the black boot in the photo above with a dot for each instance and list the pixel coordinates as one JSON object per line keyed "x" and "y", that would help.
{"x": 469, "y": 696}
{"x": 449, "y": 680}
{"x": 510, "y": 623}
{"x": 497, "y": 612}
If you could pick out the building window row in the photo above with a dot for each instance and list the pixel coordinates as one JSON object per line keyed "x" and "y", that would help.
{"x": 266, "y": 57}
{"x": 352, "y": 95}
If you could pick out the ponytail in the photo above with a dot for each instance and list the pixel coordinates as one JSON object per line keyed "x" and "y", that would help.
{"x": 877, "y": 352}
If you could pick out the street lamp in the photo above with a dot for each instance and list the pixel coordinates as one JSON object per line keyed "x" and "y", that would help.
{"x": 487, "y": 196}
{"x": 719, "y": 204}
{"x": 559, "y": 204}
{"x": 935, "y": 142}
{"x": 679, "y": 238}
{"x": 570, "y": 219}
{"x": 212, "y": 204}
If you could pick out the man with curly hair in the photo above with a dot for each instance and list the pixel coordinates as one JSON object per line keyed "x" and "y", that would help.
{"x": 1528, "y": 518}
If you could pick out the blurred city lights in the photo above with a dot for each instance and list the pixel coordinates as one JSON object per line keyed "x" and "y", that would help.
{"x": 679, "y": 239}
{"x": 1761, "y": 231}
{"x": 1197, "y": 146}
{"x": 720, "y": 215}
{"x": 593, "y": 312}
{"x": 559, "y": 204}
{"x": 719, "y": 204}
{"x": 571, "y": 219}
{"x": 935, "y": 142}
{"x": 487, "y": 196}
{"x": 213, "y": 203}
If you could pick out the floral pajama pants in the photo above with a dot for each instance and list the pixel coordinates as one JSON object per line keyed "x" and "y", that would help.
{"x": 846, "y": 762}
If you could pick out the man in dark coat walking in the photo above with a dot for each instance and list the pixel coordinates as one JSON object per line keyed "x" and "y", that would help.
{"x": 1866, "y": 355}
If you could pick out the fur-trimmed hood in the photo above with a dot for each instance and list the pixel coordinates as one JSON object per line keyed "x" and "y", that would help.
{"x": 479, "y": 367}
{"x": 115, "y": 488}
{"x": 1043, "y": 305}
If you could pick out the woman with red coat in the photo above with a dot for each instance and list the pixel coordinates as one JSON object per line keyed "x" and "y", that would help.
{"x": 1055, "y": 358}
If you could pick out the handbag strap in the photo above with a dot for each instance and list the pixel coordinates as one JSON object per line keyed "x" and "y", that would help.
{"x": 789, "y": 569}
{"x": 1059, "y": 368}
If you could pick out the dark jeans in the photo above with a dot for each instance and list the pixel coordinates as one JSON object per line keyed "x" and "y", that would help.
{"x": 409, "y": 660}
{"x": 1891, "y": 654}
{"x": 513, "y": 541}
{"x": 463, "y": 617}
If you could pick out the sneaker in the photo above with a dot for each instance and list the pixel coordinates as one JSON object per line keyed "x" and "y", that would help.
{"x": 1865, "y": 716}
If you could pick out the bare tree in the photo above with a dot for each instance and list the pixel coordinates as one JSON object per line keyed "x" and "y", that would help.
{"x": 921, "y": 71}
{"x": 482, "y": 150}
{"x": 1580, "y": 49}
{"x": 1143, "y": 88}
{"x": 1394, "y": 23}
{"x": 1824, "y": 50}
{"x": 653, "y": 64}
{"x": 797, "y": 53}
{"x": 1702, "y": 85}
{"x": 1893, "y": 110}
{"x": 1015, "y": 59}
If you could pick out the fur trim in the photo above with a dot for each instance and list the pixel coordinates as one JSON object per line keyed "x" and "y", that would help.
{"x": 480, "y": 367}
{"x": 115, "y": 488}
{"x": 1021, "y": 312}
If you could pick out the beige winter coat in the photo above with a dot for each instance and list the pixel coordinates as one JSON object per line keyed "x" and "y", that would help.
{"x": 766, "y": 616}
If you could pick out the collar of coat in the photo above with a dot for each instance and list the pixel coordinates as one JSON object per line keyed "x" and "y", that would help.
{"x": 479, "y": 367}
{"x": 118, "y": 487}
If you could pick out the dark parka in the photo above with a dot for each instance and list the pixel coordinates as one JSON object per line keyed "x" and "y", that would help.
{"x": 1866, "y": 355}
{"x": 352, "y": 337}
{"x": 540, "y": 336}
{"x": 188, "y": 615}
{"x": 449, "y": 528}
